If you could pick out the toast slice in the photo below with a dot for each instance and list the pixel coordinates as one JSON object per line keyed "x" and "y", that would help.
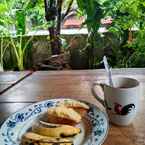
{"x": 63, "y": 115}
{"x": 78, "y": 106}
{"x": 56, "y": 131}
{"x": 31, "y": 138}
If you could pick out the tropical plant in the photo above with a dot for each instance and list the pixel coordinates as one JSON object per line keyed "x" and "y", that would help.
{"x": 36, "y": 14}
{"x": 129, "y": 25}
{"x": 5, "y": 21}
{"x": 127, "y": 16}
{"x": 15, "y": 12}
{"x": 19, "y": 45}
{"x": 93, "y": 11}
{"x": 3, "y": 47}
{"x": 6, "y": 16}
{"x": 32, "y": 10}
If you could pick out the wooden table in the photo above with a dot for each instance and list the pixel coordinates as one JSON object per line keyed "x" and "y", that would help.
{"x": 9, "y": 79}
{"x": 75, "y": 84}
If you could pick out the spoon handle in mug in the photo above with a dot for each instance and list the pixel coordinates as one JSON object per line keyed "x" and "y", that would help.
{"x": 108, "y": 70}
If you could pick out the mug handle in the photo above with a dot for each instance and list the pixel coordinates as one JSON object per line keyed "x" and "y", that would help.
{"x": 96, "y": 95}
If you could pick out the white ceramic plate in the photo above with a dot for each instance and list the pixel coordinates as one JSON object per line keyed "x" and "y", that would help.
{"x": 94, "y": 127}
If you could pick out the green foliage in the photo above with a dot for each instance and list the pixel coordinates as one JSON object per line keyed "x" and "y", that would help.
{"x": 125, "y": 48}
{"x": 21, "y": 22}
{"x": 126, "y": 14}
{"x": 6, "y": 16}
{"x": 129, "y": 15}
{"x": 93, "y": 11}
{"x": 14, "y": 12}
{"x": 4, "y": 44}
{"x": 19, "y": 46}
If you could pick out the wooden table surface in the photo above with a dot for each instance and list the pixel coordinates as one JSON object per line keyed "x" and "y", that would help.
{"x": 75, "y": 84}
{"x": 10, "y": 78}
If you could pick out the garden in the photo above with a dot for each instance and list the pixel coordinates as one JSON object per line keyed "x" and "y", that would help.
{"x": 25, "y": 46}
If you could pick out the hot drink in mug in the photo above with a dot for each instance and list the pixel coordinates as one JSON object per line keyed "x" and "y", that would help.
{"x": 121, "y": 100}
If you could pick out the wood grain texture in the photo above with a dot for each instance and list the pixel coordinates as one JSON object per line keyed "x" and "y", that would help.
{"x": 10, "y": 79}
{"x": 76, "y": 84}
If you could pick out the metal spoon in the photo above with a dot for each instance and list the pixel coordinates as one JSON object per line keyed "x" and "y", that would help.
{"x": 108, "y": 70}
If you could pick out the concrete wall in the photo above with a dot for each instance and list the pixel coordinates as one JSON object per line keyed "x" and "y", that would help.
{"x": 41, "y": 48}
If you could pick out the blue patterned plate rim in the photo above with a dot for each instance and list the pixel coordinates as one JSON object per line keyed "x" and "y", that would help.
{"x": 10, "y": 129}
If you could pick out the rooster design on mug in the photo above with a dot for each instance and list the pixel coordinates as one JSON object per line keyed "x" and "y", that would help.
{"x": 122, "y": 110}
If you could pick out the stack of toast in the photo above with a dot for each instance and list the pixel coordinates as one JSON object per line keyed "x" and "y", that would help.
{"x": 61, "y": 124}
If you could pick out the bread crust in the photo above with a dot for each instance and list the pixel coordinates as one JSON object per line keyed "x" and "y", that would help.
{"x": 78, "y": 106}
{"x": 36, "y": 139}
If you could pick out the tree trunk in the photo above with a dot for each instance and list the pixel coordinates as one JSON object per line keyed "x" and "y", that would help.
{"x": 59, "y": 18}
{"x": 50, "y": 14}
{"x": 54, "y": 41}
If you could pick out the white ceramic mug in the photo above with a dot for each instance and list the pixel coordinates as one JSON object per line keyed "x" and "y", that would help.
{"x": 121, "y": 101}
